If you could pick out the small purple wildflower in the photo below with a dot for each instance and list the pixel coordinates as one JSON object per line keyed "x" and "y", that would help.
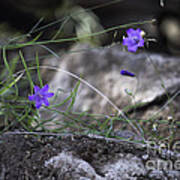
{"x": 134, "y": 39}
{"x": 127, "y": 73}
{"x": 41, "y": 96}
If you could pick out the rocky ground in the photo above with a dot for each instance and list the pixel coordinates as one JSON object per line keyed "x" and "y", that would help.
{"x": 65, "y": 157}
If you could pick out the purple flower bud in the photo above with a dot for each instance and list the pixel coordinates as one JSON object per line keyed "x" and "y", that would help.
{"x": 127, "y": 73}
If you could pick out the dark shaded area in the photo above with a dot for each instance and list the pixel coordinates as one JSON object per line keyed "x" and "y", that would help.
{"x": 20, "y": 20}
{"x": 110, "y": 14}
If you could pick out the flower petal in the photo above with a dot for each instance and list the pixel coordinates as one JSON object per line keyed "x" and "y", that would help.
{"x": 127, "y": 41}
{"x": 46, "y": 102}
{"x": 38, "y": 105}
{"x": 45, "y": 88}
{"x": 132, "y": 48}
{"x": 36, "y": 89}
{"x": 130, "y": 31}
{"x": 32, "y": 98}
{"x": 49, "y": 94}
{"x": 39, "y": 102}
{"x": 141, "y": 43}
{"x": 138, "y": 31}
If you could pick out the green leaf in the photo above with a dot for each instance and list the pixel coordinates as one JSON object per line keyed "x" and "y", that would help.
{"x": 7, "y": 87}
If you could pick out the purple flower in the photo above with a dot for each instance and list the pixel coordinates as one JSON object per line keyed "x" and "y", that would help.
{"x": 134, "y": 39}
{"x": 41, "y": 96}
{"x": 126, "y": 73}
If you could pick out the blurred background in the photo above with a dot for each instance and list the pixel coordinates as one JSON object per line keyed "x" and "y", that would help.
{"x": 61, "y": 19}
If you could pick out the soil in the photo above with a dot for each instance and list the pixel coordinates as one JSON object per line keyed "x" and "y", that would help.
{"x": 66, "y": 157}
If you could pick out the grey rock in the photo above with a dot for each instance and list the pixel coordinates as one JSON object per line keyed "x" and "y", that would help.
{"x": 121, "y": 169}
{"x": 155, "y": 75}
{"x": 71, "y": 167}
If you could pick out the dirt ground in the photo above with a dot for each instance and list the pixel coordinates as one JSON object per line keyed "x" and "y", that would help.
{"x": 47, "y": 157}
